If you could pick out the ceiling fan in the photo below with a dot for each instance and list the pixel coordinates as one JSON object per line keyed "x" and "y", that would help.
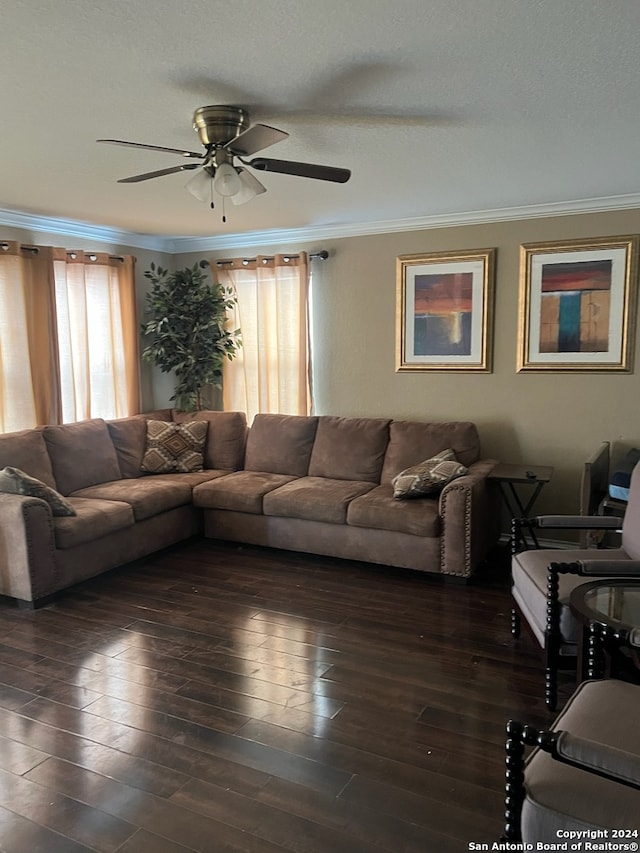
{"x": 227, "y": 136}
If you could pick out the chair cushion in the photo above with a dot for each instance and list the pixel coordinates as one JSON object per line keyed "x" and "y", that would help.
{"x": 349, "y": 448}
{"x": 562, "y": 797}
{"x": 280, "y": 444}
{"x": 379, "y": 509}
{"x": 314, "y": 498}
{"x": 631, "y": 523}
{"x": 82, "y": 454}
{"x": 242, "y": 491}
{"x": 174, "y": 448}
{"x": 93, "y": 519}
{"x": 428, "y": 477}
{"x": 529, "y": 571}
{"x": 16, "y": 482}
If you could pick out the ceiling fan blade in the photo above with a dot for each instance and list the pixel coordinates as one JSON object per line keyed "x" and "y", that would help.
{"x": 134, "y": 179}
{"x": 178, "y": 151}
{"x": 255, "y": 139}
{"x": 303, "y": 170}
{"x": 251, "y": 187}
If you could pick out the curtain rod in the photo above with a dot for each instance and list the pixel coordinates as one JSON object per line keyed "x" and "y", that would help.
{"x": 4, "y": 246}
{"x": 92, "y": 256}
{"x": 321, "y": 256}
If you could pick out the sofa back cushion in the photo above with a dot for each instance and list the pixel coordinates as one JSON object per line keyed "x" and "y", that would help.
{"x": 280, "y": 444}
{"x": 349, "y": 448}
{"x": 411, "y": 442}
{"x": 27, "y": 451}
{"x": 82, "y": 455}
{"x": 226, "y": 437}
{"x": 129, "y": 437}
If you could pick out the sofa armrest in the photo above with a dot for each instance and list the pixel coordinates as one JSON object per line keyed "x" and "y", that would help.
{"x": 27, "y": 546}
{"x": 469, "y": 514}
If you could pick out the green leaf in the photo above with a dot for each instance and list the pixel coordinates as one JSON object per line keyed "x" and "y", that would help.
{"x": 186, "y": 329}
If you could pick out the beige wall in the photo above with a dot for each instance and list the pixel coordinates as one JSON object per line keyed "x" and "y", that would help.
{"x": 553, "y": 419}
{"x": 536, "y": 418}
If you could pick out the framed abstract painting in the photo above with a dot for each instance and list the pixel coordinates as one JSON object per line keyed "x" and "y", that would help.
{"x": 444, "y": 310}
{"x": 577, "y": 305}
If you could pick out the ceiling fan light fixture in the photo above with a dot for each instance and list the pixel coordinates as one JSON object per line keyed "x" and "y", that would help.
{"x": 250, "y": 187}
{"x": 226, "y": 181}
{"x": 200, "y": 184}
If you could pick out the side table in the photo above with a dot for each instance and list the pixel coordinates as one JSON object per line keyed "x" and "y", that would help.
{"x": 508, "y": 476}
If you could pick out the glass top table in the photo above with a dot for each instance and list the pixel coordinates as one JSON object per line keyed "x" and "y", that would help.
{"x": 605, "y": 608}
{"x": 614, "y": 603}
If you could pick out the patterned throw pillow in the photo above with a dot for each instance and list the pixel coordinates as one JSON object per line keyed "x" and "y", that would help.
{"x": 428, "y": 477}
{"x": 174, "y": 448}
{"x": 16, "y": 482}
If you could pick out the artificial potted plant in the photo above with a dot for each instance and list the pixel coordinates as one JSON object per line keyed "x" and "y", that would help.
{"x": 187, "y": 330}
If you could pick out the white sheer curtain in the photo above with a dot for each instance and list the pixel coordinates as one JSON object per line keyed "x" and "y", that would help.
{"x": 95, "y": 305}
{"x": 271, "y": 371}
{"x": 68, "y": 336}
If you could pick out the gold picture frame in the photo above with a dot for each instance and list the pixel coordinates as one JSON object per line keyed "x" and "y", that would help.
{"x": 444, "y": 311}
{"x": 577, "y": 305}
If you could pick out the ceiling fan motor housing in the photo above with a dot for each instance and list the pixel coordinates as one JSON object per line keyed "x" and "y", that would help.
{"x": 218, "y": 125}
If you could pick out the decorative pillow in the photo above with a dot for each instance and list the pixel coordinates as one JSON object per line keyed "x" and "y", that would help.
{"x": 174, "y": 448}
{"x": 16, "y": 482}
{"x": 428, "y": 477}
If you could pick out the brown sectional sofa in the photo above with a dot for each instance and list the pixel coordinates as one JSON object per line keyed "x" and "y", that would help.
{"x": 323, "y": 485}
{"x": 318, "y": 484}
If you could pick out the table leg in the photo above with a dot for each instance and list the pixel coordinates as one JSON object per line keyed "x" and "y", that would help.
{"x": 513, "y": 503}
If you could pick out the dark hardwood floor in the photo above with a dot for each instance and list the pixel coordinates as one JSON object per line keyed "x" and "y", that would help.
{"x": 216, "y": 698}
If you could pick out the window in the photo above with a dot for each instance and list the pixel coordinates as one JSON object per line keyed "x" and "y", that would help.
{"x": 68, "y": 336}
{"x": 271, "y": 371}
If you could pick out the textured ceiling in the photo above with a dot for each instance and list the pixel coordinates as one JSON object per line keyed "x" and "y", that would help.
{"x": 438, "y": 107}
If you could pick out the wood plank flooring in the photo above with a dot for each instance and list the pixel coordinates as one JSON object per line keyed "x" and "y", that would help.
{"x": 219, "y": 698}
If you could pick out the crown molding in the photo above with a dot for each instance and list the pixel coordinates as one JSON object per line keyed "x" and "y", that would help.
{"x": 84, "y": 230}
{"x": 183, "y": 245}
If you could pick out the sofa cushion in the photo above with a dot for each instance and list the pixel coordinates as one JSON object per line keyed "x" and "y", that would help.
{"x": 226, "y": 437}
{"x": 428, "y": 477}
{"x": 93, "y": 519}
{"x": 379, "y": 510}
{"x": 27, "y": 451}
{"x": 16, "y": 482}
{"x": 129, "y": 436}
{"x": 349, "y": 448}
{"x": 410, "y": 442}
{"x": 148, "y": 496}
{"x": 280, "y": 444}
{"x": 242, "y": 491}
{"x": 82, "y": 454}
{"x": 314, "y": 498}
{"x": 174, "y": 448}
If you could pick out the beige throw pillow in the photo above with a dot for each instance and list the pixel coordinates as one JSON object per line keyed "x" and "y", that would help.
{"x": 16, "y": 482}
{"x": 174, "y": 448}
{"x": 428, "y": 477}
